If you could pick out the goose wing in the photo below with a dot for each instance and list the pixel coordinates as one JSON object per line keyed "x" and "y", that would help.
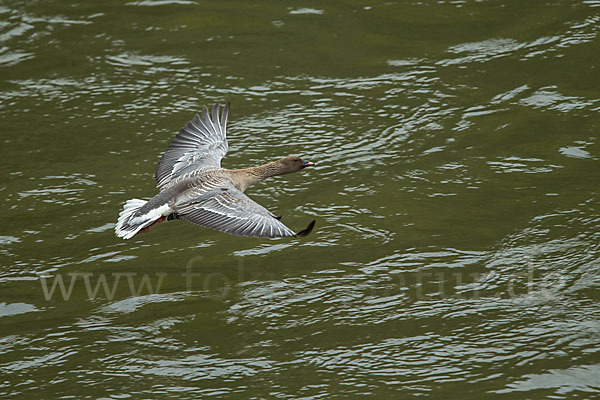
{"x": 202, "y": 143}
{"x": 228, "y": 210}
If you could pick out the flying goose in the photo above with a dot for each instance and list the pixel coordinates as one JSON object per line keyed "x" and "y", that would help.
{"x": 193, "y": 186}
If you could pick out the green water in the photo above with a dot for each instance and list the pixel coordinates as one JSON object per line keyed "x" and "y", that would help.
{"x": 456, "y": 185}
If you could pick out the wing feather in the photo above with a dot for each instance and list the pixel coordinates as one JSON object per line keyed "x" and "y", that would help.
{"x": 201, "y": 144}
{"x": 229, "y": 210}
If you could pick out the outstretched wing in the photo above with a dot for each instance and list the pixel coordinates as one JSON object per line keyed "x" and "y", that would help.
{"x": 228, "y": 210}
{"x": 201, "y": 144}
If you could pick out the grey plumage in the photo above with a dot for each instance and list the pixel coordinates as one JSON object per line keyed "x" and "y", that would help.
{"x": 195, "y": 188}
{"x": 231, "y": 211}
{"x": 201, "y": 144}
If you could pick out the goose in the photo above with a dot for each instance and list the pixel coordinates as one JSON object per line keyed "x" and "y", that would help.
{"x": 194, "y": 187}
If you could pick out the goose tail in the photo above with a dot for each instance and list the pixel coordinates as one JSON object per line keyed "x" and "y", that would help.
{"x": 126, "y": 226}
{"x": 135, "y": 217}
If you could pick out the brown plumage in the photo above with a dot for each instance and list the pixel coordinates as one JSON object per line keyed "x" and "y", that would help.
{"x": 194, "y": 187}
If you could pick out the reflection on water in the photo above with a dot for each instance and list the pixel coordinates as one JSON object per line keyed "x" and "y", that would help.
{"x": 455, "y": 192}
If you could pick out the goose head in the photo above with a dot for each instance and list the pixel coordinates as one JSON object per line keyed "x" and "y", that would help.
{"x": 291, "y": 164}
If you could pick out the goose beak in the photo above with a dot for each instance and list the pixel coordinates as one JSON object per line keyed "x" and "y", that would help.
{"x": 307, "y": 164}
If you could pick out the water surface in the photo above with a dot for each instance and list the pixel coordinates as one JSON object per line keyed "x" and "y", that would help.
{"x": 455, "y": 190}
